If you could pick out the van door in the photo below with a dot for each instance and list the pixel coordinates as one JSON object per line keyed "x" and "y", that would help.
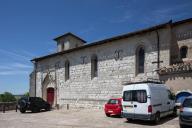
{"x": 166, "y": 103}
{"x": 127, "y": 103}
{"x": 140, "y": 104}
{"x": 171, "y": 102}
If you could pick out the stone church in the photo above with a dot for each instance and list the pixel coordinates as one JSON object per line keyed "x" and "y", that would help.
{"x": 85, "y": 74}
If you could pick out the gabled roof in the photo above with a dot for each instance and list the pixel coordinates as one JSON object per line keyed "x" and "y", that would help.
{"x": 69, "y": 34}
{"x": 123, "y": 36}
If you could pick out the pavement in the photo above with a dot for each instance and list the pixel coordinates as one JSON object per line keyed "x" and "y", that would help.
{"x": 76, "y": 118}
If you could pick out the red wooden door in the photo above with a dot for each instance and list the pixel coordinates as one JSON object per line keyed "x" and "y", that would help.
{"x": 50, "y": 95}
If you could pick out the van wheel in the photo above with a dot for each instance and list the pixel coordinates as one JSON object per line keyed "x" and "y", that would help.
{"x": 108, "y": 115}
{"x": 129, "y": 119}
{"x": 175, "y": 112}
{"x": 182, "y": 126}
{"x": 157, "y": 118}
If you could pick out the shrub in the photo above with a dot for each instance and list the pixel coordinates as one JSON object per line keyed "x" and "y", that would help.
{"x": 7, "y": 97}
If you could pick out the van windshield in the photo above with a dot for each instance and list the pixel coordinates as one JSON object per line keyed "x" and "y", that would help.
{"x": 135, "y": 95}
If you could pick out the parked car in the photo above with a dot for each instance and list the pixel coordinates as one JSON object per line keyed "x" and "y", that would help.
{"x": 185, "y": 118}
{"x": 34, "y": 104}
{"x": 113, "y": 107}
{"x": 147, "y": 101}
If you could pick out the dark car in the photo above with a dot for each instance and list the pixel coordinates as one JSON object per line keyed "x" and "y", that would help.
{"x": 34, "y": 104}
{"x": 185, "y": 118}
{"x": 113, "y": 107}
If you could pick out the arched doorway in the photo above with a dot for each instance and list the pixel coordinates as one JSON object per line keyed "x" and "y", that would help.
{"x": 50, "y": 95}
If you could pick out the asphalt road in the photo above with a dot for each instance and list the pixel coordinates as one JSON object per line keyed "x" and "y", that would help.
{"x": 83, "y": 118}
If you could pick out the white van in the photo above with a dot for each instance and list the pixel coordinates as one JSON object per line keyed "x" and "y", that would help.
{"x": 147, "y": 101}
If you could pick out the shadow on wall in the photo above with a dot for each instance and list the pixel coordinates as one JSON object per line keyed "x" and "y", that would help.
{"x": 178, "y": 81}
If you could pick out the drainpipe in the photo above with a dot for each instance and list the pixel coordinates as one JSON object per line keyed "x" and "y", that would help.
{"x": 158, "y": 50}
{"x": 35, "y": 71}
{"x": 56, "y": 87}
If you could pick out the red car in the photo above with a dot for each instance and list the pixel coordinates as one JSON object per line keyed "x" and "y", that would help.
{"x": 113, "y": 107}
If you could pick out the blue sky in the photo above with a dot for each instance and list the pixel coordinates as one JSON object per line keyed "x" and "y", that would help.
{"x": 27, "y": 28}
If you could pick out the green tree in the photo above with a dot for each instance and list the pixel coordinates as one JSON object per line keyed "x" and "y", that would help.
{"x": 26, "y": 94}
{"x": 7, "y": 97}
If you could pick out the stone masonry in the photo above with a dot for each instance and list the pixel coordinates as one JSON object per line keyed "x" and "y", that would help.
{"x": 116, "y": 64}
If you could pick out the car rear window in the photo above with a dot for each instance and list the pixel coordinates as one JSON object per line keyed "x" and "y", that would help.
{"x": 187, "y": 103}
{"x": 135, "y": 95}
{"x": 112, "y": 101}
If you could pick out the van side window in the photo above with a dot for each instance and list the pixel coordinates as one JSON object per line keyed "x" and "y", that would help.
{"x": 141, "y": 96}
{"x": 170, "y": 95}
{"x": 128, "y": 96}
{"x": 135, "y": 95}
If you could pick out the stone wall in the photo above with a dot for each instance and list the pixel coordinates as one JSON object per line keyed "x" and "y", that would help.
{"x": 81, "y": 90}
{"x": 181, "y": 36}
{"x": 32, "y": 84}
{"x": 8, "y": 106}
{"x": 178, "y": 81}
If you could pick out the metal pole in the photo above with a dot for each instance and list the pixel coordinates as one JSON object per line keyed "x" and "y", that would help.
{"x": 3, "y": 108}
{"x": 16, "y": 107}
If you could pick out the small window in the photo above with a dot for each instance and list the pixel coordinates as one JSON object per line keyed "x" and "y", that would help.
{"x": 141, "y": 96}
{"x": 128, "y": 96}
{"x": 94, "y": 69}
{"x": 135, "y": 95}
{"x": 62, "y": 47}
{"x": 171, "y": 96}
{"x": 183, "y": 52}
{"x": 67, "y": 70}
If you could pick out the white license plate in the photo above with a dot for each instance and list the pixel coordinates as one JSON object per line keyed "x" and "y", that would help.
{"x": 110, "y": 111}
{"x": 129, "y": 109}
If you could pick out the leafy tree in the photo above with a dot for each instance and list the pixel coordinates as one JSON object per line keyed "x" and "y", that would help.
{"x": 7, "y": 97}
{"x": 26, "y": 94}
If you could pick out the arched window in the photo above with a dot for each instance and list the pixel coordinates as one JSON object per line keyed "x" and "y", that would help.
{"x": 62, "y": 47}
{"x": 67, "y": 70}
{"x": 140, "y": 60}
{"x": 183, "y": 52}
{"x": 94, "y": 63}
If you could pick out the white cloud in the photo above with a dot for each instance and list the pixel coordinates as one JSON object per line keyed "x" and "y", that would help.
{"x": 16, "y": 63}
{"x": 14, "y": 72}
{"x": 15, "y": 69}
{"x": 20, "y": 65}
{"x": 14, "y": 55}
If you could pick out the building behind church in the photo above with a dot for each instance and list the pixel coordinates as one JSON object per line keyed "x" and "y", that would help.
{"x": 85, "y": 74}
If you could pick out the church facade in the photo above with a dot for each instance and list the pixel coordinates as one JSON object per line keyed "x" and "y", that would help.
{"x": 88, "y": 74}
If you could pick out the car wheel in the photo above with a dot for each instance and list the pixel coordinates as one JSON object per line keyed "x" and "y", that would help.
{"x": 23, "y": 104}
{"x": 48, "y": 109}
{"x": 157, "y": 118}
{"x": 22, "y": 110}
{"x": 107, "y": 114}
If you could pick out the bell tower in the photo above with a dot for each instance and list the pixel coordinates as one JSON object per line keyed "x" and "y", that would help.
{"x": 68, "y": 41}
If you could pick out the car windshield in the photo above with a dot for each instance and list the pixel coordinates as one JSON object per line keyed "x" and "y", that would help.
{"x": 112, "y": 101}
{"x": 135, "y": 95}
{"x": 187, "y": 103}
